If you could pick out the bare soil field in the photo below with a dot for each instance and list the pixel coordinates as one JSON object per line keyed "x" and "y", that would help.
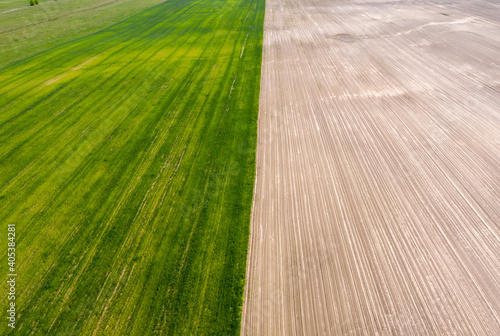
{"x": 377, "y": 199}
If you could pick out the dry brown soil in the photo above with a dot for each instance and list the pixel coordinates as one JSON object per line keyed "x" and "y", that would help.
{"x": 377, "y": 200}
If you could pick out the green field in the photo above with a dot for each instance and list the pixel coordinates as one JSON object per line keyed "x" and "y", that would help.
{"x": 30, "y": 29}
{"x": 127, "y": 163}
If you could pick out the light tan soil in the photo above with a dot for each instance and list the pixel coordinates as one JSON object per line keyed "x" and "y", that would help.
{"x": 377, "y": 205}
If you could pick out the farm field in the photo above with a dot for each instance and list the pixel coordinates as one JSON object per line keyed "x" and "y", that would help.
{"x": 377, "y": 200}
{"x": 27, "y": 29}
{"x": 12, "y": 5}
{"x": 127, "y": 163}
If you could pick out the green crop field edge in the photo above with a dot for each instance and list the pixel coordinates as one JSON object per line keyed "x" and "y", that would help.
{"x": 127, "y": 164}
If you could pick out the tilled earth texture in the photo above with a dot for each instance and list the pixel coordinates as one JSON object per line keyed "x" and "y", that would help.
{"x": 376, "y": 207}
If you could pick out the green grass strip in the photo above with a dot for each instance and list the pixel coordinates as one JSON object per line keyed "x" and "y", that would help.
{"x": 127, "y": 163}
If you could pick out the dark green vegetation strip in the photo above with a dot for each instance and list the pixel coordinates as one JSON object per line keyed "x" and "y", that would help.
{"x": 127, "y": 163}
